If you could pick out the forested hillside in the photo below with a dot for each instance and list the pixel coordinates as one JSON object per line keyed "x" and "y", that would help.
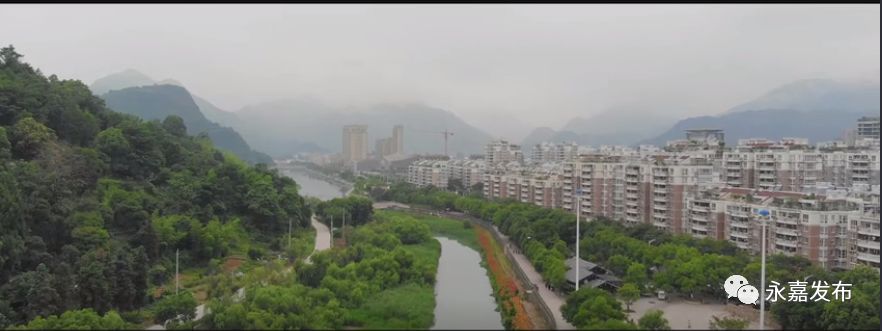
{"x": 156, "y": 102}
{"x": 94, "y": 203}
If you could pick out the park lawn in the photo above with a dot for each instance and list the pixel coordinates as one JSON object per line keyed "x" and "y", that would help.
{"x": 409, "y": 306}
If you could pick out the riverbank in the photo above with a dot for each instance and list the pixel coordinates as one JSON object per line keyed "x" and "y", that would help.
{"x": 508, "y": 291}
{"x": 304, "y": 167}
{"x": 548, "y": 301}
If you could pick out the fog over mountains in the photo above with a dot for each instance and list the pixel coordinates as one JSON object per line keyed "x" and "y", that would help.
{"x": 818, "y": 109}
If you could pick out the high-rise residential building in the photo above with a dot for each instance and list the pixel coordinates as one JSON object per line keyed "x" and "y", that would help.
{"x": 355, "y": 143}
{"x": 500, "y": 152}
{"x": 868, "y": 127}
{"x": 398, "y": 139}
{"x": 428, "y": 173}
{"x": 384, "y": 147}
{"x": 835, "y": 233}
{"x": 551, "y": 152}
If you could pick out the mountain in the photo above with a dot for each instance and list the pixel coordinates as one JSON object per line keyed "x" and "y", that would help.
{"x": 817, "y": 95}
{"x": 120, "y": 80}
{"x": 280, "y": 127}
{"x": 215, "y": 114}
{"x": 156, "y": 102}
{"x": 95, "y": 205}
{"x": 616, "y": 126}
{"x": 817, "y": 109}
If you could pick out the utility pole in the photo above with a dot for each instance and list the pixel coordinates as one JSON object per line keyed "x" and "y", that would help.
{"x": 764, "y": 218}
{"x": 578, "y": 218}
{"x": 177, "y": 264}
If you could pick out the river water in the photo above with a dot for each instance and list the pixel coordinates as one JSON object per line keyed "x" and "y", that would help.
{"x": 313, "y": 186}
{"x": 463, "y": 296}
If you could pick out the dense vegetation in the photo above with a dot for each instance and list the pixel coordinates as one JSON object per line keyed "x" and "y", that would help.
{"x": 652, "y": 259}
{"x": 383, "y": 279}
{"x": 94, "y": 203}
{"x": 355, "y": 210}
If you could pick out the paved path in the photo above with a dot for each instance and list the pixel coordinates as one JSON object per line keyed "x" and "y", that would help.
{"x": 553, "y": 300}
{"x": 322, "y": 237}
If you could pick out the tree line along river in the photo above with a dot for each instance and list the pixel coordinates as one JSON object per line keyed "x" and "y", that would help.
{"x": 463, "y": 295}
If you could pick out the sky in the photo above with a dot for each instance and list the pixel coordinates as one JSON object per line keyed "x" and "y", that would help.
{"x": 531, "y": 65}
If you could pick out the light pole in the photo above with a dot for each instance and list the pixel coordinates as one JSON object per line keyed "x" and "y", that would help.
{"x": 578, "y": 217}
{"x": 764, "y": 219}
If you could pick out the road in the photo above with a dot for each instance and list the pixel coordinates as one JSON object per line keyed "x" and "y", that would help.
{"x": 322, "y": 237}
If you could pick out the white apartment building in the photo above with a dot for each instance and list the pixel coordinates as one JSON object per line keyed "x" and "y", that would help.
{"x": 551, "y": 152}
{"x": 836, "y": 234}
{"x": 500, "y": 152}
{"x": 471, "y": 172}
{"x": 428, "y": 173}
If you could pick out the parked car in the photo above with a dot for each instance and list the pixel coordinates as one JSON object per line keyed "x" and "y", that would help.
{"x": 662, "y": 295}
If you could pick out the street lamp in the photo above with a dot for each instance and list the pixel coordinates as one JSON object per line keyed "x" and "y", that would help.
{"x": 763, "y": 217}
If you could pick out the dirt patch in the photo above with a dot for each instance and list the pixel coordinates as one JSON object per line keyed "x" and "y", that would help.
{"x": 232, "y": 263}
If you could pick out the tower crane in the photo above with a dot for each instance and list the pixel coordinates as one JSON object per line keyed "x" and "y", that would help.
{"x": 446, "y": 133}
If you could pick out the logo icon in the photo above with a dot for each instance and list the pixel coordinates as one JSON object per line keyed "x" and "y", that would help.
{"x": 736, "y": 286}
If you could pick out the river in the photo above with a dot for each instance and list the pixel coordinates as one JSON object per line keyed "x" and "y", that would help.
{"x": 314, "y": 186}
{"x": 463, "y": 296}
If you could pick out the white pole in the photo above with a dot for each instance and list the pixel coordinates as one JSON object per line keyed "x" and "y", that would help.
{"x": 177, "y": 251}
{"x": 578, "y": 217}
{"x": 762, "y": 318}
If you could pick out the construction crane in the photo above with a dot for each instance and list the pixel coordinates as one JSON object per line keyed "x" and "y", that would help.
{"x": 447, "y": 134}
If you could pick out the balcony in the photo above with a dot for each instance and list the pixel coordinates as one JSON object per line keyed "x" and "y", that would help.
{"x": 740, "y": 225}
{"x": 868, "y": 231}
{"x": 787, "y": 232}
{"x": 738, "y": 234}
{"x": 786, "y": 243}
{"x": 867, "y": 257}
{"x": 787, "y": 220}
{"x": 868, "y": 244}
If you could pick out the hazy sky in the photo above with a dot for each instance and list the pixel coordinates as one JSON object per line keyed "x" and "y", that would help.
{"x": 543, "y": 64}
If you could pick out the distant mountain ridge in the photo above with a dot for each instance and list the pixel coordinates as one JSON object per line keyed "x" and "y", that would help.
{"x": 616, "y": 126}
{"x": 156, "y": 102}
{"x": 817, "y": 109}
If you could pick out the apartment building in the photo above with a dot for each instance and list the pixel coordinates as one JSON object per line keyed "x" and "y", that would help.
{"x": 868, "y": 127}
{"x": 428, "y": 173}
{"x": 551, "y": 152}
{"x": 645, "y": 190}
{"x": 355, "y": 143}
{"x": 544, "y": 190}
{"x": 501, "y": 152}
{"x": 787, "y": 170}
{"x": 835, "y": 233}
{"x": 470, "y": 172}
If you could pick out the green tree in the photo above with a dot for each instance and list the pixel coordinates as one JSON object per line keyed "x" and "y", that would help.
{"x": 727, "y": 323}
{"x": 175, "y": 305}
{"x": 591, "y": 307}
{"x": 29, "y": 136}
{"x": 175, "y": 125}
{"x": 5, "y": 146}
{"x": 629, "y": 293}
{"x": 85, "y": 319}
{"x": 636, "y": 274}
{"x": 653, "y": 319}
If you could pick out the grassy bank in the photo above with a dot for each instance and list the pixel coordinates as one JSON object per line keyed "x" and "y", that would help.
{"x": 499, "y": 270}
{"x": 407, "y": 307}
